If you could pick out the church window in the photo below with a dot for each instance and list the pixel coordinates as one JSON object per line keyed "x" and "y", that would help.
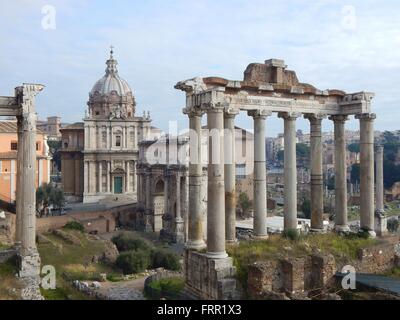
{"x": 118, "y": 141}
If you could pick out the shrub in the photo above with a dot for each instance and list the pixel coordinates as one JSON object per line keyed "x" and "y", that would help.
{"x": 169, "y": 288}
{"x": 164, "y": 259}
{"x": 133, "y": 261}
{"x": 393, "y": 225}
{"x": 292, "y": 234}
{"x": 74, "y": 225}
{"x": 128, "y": 242}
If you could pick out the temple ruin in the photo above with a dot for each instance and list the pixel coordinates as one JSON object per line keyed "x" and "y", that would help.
{"x": 266, "y": 89}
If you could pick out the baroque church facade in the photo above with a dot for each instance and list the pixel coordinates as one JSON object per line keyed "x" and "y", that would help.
{"x": 110, "y": 150}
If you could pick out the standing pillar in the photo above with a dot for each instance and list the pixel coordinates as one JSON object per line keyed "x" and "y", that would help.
{"x": 367, "y": 172}
{"x": 290, "y": 168}
{"x": 230, "y": 176}
{"x": 128, "y": 177}
{"x": 216, "y": 185}
{"x": 341, "y": 223}
{"x": 19, "y": 195}
{"x": 179, "y": 231}
{"x": 260, "y": 183}
{"x": 195, "y": 214}
{"x": 100, "y": 176}
{"x": 317, "y": 187}
{"x": 380, "y": 216}
{"x": 149, "y": 221}
{"x": 108, "y": 176}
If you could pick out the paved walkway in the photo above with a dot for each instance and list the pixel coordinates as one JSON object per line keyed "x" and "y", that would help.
{"x": 124, "y": 290}
{"x": 378, "y": 282}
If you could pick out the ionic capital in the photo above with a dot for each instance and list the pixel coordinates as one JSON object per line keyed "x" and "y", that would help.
{"x": 231, "y": 112}
{"x": 366, "y": 116}
{"x": 292, "y": 116}
{"x": 259, "y": 114}
{"x": 193, "y": 112}
{"x": 339, "y": 118}
{"x": 315, "y": 117}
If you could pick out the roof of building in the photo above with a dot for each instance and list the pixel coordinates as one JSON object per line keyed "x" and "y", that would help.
{"x": 111, "y": 81}
{"x": 10, "y": 126}
{"x": 74, "y": 126}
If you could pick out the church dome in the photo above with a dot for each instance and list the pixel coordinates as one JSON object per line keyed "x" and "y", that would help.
{"x": 111, "y": 82}
{"x": 111, "y": 96}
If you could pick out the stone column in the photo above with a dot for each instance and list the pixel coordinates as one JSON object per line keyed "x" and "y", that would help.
{"x": 19, "y": 194}
{"x": 380, "y": 216}
{"x": 260, "y": 183}
{"x": 216, "y": 188}
{"x": 149, "y": 221}
{"x": 195, "y": 214}
{"x": 341, "y": 223}
{"x": 128, "y": 177}
{"x": 317, "y": 186}
{"x": 86, "y": 176}
{"x": 28, "y": 185}
{"x": 367, "y": 172}
{"x": 185, "y": 203}
{"x": 179, "y": 231}
{"x": 290, "y": 168}
{"x": 166, "y": 190}
{"x": 230, "y": 176}
{"x": 100, "y": 176}
{"x": 109, "y": 176}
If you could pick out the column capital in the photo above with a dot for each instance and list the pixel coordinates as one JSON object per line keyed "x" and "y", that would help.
{"x": 315, "y": 117}
{"x": 289, "y": 115}
{"x": 214, "y": 107}
{"x": 260, "y": 113}
{"x": 192, "y": 112}
{"x": 339, "y": 118}
{"x": 231, "y": 112}
{"x": 366, "y": 116}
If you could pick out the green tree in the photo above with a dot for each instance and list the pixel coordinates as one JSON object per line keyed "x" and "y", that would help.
{"x": 354, "y": 147}
{"x": 302, "y": 152}
{"x": 244, "y": 202}
{"x": 355, "y": 173}
{"x": 47, "y": 195}
{"x": 306, "y": 208}
{"x": 55, "y": 148}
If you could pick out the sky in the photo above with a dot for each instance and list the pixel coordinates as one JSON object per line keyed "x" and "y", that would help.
{"x": 349, "y": 45}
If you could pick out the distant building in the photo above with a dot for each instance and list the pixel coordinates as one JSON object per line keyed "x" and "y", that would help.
{"x": 51, "y": 127}
{"x": 8, "y": 160}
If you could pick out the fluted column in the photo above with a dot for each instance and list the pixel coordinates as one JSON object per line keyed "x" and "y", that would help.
{"x": 28, "y": 183}
{"x": 290, "y": 168}
{"x": 317, "y": 187}
{"x": 100, "y": 176}
{"x": 260, "y": 183}
{"x": 195, "y": 215}
{"x": 216, "y": 185}
{"x": 230, "y": 176}
{"x": 367, "y": 207}
{"x": 19, "y": 195}
{"x": 380, "y": 191}
{"x": 341, "y": 222}
{"x": 86, "y": 176}
{"x": 109, "y": 177}
{"x": 128, "y": 177}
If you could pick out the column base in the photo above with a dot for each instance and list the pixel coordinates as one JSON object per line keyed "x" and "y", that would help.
{"x": 217, "y": 255}
{"x": 209, "y": 279}
{"x": 342, "y": 228}
{"x": 260, "y": 237}
{"x": 232, "y": 242}
{"x": 380, "y": 223}
{"x": 371, "y": 233}
{"x": 29, "y": 265}
{"x": 320, "y": 231}
{"x": 197, "y": 245}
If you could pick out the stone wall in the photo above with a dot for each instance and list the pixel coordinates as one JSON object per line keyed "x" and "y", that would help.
{"x": 100, "y": 220}
{"x": 5, "y": 255}
{"x": 7, "y": 229}
{"x": 314, "y": 272}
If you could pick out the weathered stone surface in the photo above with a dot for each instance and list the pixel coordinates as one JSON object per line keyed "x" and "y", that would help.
{"x": 110, "y": 253}
{"x": 208, "y": 278}
{"x": 68, "y": 237}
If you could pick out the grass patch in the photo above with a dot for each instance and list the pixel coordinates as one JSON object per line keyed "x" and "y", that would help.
{"x": 72, "y": 262}
{"x": 169, "y": 288}
{"x": 8, "y": 280}
{"x": 394, "y": 273}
